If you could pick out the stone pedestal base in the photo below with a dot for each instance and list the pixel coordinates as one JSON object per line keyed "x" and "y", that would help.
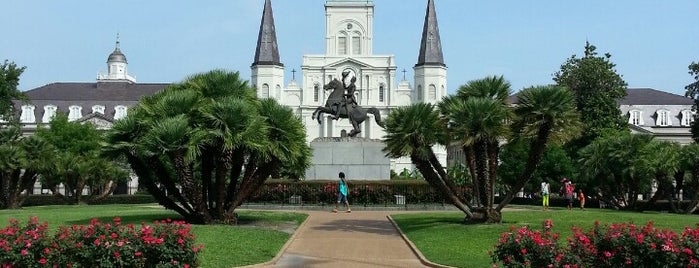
{"x": 358, "y": 158}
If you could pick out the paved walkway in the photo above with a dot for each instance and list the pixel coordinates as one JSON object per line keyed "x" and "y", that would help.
{"x": 357, "y": 239}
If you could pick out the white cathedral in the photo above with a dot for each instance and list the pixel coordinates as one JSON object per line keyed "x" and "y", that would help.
{"x": 348, "y": 48}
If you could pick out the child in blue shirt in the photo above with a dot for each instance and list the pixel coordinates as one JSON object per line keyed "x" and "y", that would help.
{"x": 342, "y": 195}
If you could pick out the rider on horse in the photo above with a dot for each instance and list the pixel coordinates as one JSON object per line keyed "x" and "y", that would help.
{"x": 349, "y": 98}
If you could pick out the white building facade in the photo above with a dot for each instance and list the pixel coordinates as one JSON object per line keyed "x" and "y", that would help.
{"x": 349, "y": 48}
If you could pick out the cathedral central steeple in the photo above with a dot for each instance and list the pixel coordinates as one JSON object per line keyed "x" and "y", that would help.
{"x": 267, "y": 52}
{"x": 431, "y": 45}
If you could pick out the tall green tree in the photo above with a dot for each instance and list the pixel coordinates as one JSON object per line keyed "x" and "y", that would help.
{"x": 692, "y": 91}
{"x": 22, "y": 161}
{"x": 597, "y": 87}
{"x": 77, "y": 163}
{"x": 204, "y": 145}
{"x": 9, "y": 80}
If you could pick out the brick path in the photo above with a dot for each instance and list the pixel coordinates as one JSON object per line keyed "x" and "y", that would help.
{"x": 357, "y": 239}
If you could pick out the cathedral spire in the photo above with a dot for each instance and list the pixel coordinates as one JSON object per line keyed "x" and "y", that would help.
{"x": 431, "y": 45}
{"x": 267, "y": 52}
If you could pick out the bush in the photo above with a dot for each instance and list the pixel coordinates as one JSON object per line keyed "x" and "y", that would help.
{"x": 616, "y": 245}
{"x": 49, "y": 200}
{"x": 361, "y": 192}
{"x": 165, "y": 244}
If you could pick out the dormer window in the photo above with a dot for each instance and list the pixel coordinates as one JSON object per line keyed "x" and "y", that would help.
{"x": 636, "y": 117}
{"x": 75, "y": 112}
{"x": 98, "y": 109}
{"x": 687, "y": 118}
{"x": 120, "y": 112}
{"x": 27, "y": 114}
{"x": 49, "y": 113}
{"x": 663, "y": 118}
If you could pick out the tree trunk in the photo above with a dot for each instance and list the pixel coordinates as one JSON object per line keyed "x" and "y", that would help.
{"x": 536, "y": 151}
{"x": 431, "y": 176}
{"x": 471, "y": 162}
{"x": 481, "y": 153}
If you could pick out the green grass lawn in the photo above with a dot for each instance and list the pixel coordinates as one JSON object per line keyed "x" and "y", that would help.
{"x": 443, "y": 239}
{"x": 257, "y": 239}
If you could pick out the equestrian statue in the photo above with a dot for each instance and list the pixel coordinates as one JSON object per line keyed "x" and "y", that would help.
{"x": 342, "y": 104}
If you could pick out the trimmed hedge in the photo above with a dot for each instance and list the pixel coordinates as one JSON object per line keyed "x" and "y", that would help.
{"x": 361, "y": 192}
{"x": 47, "y": 200}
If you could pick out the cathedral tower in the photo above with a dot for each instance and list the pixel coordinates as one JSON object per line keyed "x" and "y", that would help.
{"x": 430, "y": 70}
{"x": 267, "y": 69}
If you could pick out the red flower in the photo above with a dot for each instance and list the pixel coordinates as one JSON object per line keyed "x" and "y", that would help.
{"x": 42, "y": 261}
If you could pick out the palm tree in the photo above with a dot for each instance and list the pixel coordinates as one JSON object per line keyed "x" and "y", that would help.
{"x": 412, "y": 131}
{"x": 543, "y": 114}
{"x": 477, "y": 118}
{"x": 210, "y": 137}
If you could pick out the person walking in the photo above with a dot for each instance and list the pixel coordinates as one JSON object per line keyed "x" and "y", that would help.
{"x": 581, "y": 197}
{"x": 545, "y": 191}
{"x": 568, "y": 190}
{"x": 342, "y": 193}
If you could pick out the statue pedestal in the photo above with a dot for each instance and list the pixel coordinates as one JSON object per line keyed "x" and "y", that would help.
{"x": 358, "y": 158}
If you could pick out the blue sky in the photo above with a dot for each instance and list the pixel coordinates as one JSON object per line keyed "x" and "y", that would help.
{"x": 652, "y": 42}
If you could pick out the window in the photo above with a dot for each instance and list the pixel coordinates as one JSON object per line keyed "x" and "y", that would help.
{"x": 265, "y": 91}
{"x": 356, "y": 45}
{"x": 663, "y": 118}
{"x": 75, "y": 112}
{"x": 381, "y": 93}
{"x": 342, "y": 45}
{"x": 419, "y": 93}
{"x": 120, "y": 112}
{"x": 278, "y": 92}
{"x": 98, "y": 109}
{"x": 687, "y": 118}
{"x": 433, "y": 93}
{"x": 636, "y": 117}
{"x": 316, "y": 92}
{"x": 27, "y": 114}
{"x": 49, "y": 113}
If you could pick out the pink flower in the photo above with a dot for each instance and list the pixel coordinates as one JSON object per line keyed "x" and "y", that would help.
{"x": 42, "y": 261}
{"x": 24, "y": 252}
{"x": 524, "y": 251}
{"x": 138, "y": 254}
{"x": 607, "y": 254}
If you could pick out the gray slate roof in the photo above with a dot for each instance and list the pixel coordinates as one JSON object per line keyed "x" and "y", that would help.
{"x": 649, "y": 96}
{"x": 640, "y": 96}
{"x": 108, "y": 94}
{"x": 267, "y": 52}
{"x": 431, "y": 44}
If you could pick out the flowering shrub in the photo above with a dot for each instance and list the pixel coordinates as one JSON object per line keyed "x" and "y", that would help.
{"x": 616, "y": 245}
{"x": 164, "y": 244}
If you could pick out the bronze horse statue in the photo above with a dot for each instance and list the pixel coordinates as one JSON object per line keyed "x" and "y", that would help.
{"x": 337, "y": 101}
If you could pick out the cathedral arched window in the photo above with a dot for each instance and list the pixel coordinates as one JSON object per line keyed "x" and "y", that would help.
{"x": 27, "y": 115}
{"x": 98, "y": 109}
{"x": 278, "y": 92}
{"x": 120, "y": 111}
{"x": 432, "y": 93}
{"x": 75, "y": 112}
{"x": 419, "y": 92}
{"x": 316, "y": 92}
{"x": 265, "y": 91}
{"x": 663, "y": 118}
{"x": 49, "y": 113}
{"x": 356, "y": 43}
{"x": 342, "y": 43}
{"x": 381, "y": 92}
